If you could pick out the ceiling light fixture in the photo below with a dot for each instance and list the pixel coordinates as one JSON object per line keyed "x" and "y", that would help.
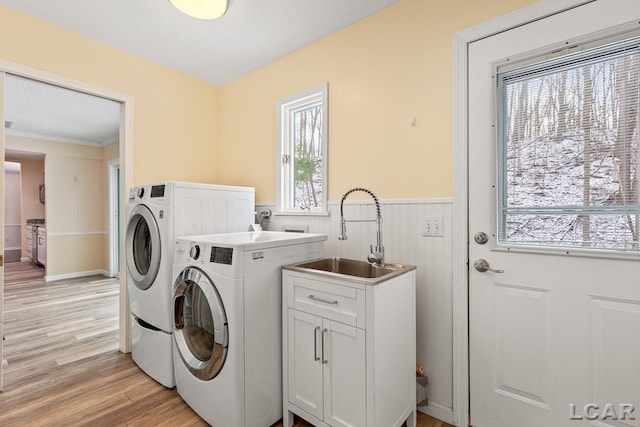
{"x": 202, "y": 9}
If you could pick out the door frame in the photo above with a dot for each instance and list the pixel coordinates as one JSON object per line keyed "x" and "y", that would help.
{"x": 114, "y": 221}
{"x": 460, "y": 268}
{"x": 126, "y": 161}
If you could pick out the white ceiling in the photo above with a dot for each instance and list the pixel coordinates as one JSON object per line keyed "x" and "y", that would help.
{"x": 39, "y": 110}
{"x": 251, "y": 34}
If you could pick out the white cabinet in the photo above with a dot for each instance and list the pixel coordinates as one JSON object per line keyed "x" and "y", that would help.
{"x": 327, "y": 375}
{"x": 348, "y": 351}
{"x": 305, "y": 373}
{"x": 344, "y": 375}
{"x": 29, "y": 237}
{"x": 42, "y": 245}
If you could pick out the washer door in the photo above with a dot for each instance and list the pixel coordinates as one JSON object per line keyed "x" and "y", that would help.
{"x": 143, "y": 247}
{"x": 199, "y": 324}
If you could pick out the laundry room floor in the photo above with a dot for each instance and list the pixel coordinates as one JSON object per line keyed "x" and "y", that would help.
{"x": 64, "y": 365}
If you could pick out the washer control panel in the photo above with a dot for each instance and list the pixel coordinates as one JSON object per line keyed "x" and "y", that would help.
{"x": 205, "y": 254}
{"x": 221, "y": 255}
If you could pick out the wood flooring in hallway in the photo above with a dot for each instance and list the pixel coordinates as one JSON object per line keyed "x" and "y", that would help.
{"x": 64, "y": 367}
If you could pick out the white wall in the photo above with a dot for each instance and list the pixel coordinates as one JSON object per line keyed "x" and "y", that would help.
{"x": 404, "y": 244}
{"x": 76, "y": 204}
{"x": 12, "y": 211}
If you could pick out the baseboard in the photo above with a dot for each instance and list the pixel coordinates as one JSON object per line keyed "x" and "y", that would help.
{"x": 25, "y": 259}
{"x": 438, "y": 411}
{"x": 51, "y": 278}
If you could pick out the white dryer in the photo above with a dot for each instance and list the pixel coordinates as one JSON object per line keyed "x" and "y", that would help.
{"x": 227, "y": 302}
{"x": 157, "y": 214}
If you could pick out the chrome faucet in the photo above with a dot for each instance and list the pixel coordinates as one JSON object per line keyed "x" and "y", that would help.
{"x": 377, "y": 252}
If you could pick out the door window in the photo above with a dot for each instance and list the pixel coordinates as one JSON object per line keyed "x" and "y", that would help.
{"x": 568, "y": 149}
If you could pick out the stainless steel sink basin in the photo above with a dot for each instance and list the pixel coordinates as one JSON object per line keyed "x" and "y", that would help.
{"x": 351, "y": 269}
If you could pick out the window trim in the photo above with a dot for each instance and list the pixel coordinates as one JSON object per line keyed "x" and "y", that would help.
{"x": 286, "y": 106}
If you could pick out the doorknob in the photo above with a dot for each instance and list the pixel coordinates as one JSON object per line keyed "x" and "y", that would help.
{"x": 482, "y": 265}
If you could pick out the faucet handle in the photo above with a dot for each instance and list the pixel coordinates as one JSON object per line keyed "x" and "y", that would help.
{"x": 343, "y": 229}
{"x": 377, "y": 255}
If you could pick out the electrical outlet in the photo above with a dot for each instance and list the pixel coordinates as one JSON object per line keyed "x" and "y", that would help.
{"x": 432, "y": 226}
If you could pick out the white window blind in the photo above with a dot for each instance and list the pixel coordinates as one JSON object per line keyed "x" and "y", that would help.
{"x": 568, "y": 150}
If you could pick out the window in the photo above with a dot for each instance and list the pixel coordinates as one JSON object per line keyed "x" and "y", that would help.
{"x": 302, "y": 152}
{"x": 568, "y": 149}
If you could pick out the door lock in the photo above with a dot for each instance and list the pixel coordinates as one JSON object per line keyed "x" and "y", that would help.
{"x": 481, "y": 238}
{"x": 482, "y": 265}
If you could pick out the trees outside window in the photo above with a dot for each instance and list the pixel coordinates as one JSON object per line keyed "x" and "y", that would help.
{"x": 568, "y": 149}
{"x": 302, "y": 152}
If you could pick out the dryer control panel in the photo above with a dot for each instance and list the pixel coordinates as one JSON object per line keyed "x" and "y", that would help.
{"x": 220, "y": 255}
{"x": 157, "y": 190}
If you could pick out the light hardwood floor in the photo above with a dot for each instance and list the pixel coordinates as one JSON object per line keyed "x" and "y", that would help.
{"x": 61, "y": 342}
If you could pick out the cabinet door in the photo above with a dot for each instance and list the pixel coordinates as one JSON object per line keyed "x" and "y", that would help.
{"x": 305, "y": 366}
{"x": 344, "y": 375}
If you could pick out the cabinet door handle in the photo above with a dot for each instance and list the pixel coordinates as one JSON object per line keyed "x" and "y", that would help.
{"x": 315, "y": 344}
{"x": 324, "y": 361}
{"x": 314, "y": 298}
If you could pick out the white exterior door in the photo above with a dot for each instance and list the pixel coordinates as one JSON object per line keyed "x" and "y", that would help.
{"x": 554, "y": 338}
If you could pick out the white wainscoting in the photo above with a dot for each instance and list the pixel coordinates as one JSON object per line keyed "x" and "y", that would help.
{"x": 12, "y": 236}
{"x": 405, "y": 244}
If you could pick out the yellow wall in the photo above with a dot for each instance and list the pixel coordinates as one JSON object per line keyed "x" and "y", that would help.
{"x": 381, "y": 72}
{"x": 75, "y": 214}
{"x": 75, "y": 176}
{"x": 175, "y": 116}
{"x": 75, "y": 196}
{"x": 75, "y": 254}
{"x": 111, "y": 151}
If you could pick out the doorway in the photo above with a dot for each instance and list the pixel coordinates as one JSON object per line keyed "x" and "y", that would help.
{"x": 125, "y": 152}
{"x": 27, "y": 200}
{"x": 13, "y": 212}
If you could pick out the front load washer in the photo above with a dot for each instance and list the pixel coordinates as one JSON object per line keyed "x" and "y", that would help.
{"x": 227, "y": 336}
{"x": 157, "y": 214}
